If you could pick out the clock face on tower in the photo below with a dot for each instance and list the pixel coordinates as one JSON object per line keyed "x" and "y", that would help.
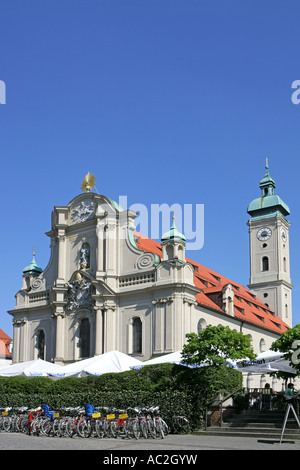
{"x": 264, "y": 233}
{"x": 283, "y": 235}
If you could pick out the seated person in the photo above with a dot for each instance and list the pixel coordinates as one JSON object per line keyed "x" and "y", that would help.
{"x": 290, "y": 395}
{"x": 254, "y": 398}
{"x": 268, "y": 397}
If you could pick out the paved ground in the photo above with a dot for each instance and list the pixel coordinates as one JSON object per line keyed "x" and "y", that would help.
{"x": 172, "y": 443}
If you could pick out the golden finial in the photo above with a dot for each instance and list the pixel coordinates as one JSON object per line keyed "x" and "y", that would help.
{"x": 88, "y": 182}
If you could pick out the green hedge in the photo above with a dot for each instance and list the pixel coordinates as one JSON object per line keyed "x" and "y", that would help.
{"x": 175, "y": 389}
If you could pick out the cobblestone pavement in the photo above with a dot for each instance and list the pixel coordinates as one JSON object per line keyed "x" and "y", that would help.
{"x": 172, "y": 443}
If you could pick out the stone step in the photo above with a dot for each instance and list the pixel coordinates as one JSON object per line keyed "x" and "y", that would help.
{"x": 246, "y": 432}
{"x": 258, "y": 424}
{"x": 262, "y": 417}
{"x": 278, "y": 421}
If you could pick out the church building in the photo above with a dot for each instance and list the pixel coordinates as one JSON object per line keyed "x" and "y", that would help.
{"x": 107, "y": 287}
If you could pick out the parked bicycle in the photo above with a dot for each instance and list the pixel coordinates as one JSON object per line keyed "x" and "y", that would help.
{"x": 180, "y": 424}
{"x": 91, "y": 422}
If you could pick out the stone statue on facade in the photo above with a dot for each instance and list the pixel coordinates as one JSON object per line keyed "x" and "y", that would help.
{"x": 80, "y": 294}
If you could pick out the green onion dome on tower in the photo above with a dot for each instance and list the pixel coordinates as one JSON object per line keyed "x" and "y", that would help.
{"x": 173, "y": 234}
{"x": 269, "y": 204}
{"x": 32, "y": 268}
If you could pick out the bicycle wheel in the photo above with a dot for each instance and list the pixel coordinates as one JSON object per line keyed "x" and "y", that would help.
{"x": 106, "y": 428}
{"x": 181, "y": 425}
{"x": 136, "y": 429}
{"x": 128, "y": 429}
{"x": 99, "y": 428}
{"x": 93, "y": 432}
{"x": 19, "y": 423}
{"x": 35, "y": 426}
{"x": 132, "y": 429}
{"x": 47, "y": 428}
{"x": 113, "y": 428}
{"x": 7, "y": 424}
{"x": 152, "y": 429}
{"x": 143, "y": 429}
{"x": 84, "y": 428}
{"x": 71, "y": 427}
{"x": 164, "y": 426}
{"x": 24, "y": 426}
{"x": 63, "y": 426}
{"x": 58, "y": 427}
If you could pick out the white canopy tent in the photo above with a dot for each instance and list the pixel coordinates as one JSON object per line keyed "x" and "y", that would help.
{"x": 74, "y": 369}
{"x": 5, "y": 362}
{"x": 176, "y": 358}
{"x": 112, "y": 361}
{"x": 172, "y": 358}
{"x": 35, "y": 368}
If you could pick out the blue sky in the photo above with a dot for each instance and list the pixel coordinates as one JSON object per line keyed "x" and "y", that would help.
{"x": 165, "y": 101}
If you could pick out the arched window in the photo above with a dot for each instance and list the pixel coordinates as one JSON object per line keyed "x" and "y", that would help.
{"x": 201, "y": 325}
{"x": 170, "y": 251}
{"x": 180, "y": 253}
{"x": 262, "y": 345}
{"x": 84, "y": 338}
{"x": 41, "y": 344}
{"x": 265, "y": 263}
{"x": 137, "y": 335}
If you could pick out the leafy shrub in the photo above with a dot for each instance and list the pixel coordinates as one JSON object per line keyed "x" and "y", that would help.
{"x": 174, "y": 388}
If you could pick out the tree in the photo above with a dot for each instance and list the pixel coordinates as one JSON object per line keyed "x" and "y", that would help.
{"x": 215, "y": 344}
{"x": 289, "y": 344}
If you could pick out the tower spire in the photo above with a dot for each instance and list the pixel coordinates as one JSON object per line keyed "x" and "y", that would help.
{"x": 269, "y": 249}
{"x": 267, "y": 184}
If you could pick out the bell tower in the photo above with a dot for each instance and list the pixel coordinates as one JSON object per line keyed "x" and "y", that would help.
{"x": 270, "y": 277}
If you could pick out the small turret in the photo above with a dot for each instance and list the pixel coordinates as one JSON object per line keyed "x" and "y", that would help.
{"x": 173, "y": 244}
{"x": 32, "y": 270}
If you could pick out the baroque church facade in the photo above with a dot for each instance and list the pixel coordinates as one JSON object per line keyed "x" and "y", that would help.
{"x": 107, "y": 287}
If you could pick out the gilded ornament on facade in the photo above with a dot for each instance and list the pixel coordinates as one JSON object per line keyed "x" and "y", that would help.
{"x": 88, "y": 182}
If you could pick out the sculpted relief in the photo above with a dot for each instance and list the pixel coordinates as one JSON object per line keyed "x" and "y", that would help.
{"x": 80, "y": 294}
{"x": 84, "y": 211}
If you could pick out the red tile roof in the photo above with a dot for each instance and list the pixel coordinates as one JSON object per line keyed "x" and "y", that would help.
{"x": 246, "y": 306}
{"x": 5, "y": 341}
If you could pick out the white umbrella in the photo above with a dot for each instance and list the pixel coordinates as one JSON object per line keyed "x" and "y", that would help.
{"x": 269, "y": 356}
{"x": 267, "y": 362}
{"x": 284, "y": 366}
{"x": 33, "y": 368}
